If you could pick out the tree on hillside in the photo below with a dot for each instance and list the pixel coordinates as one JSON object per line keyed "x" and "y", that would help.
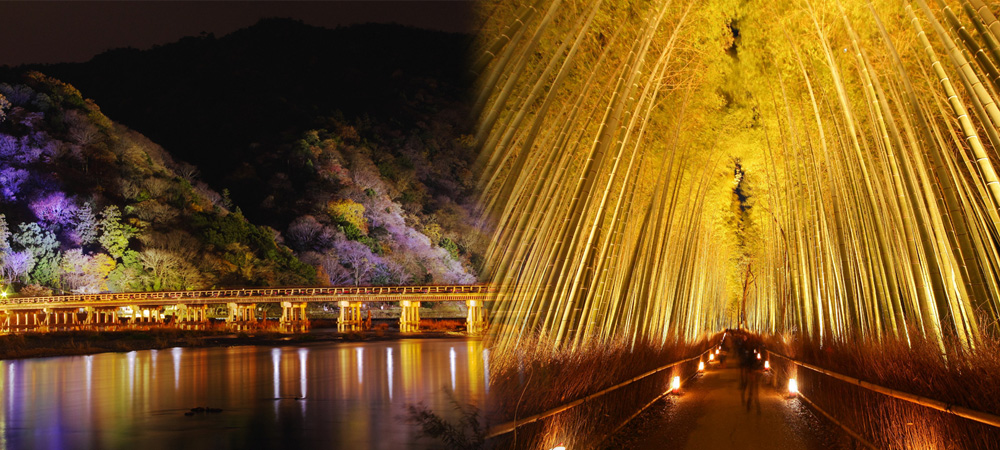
{"x": 86, "y": 229}
{"x": 42, "y": 245}
{"x": 357, "y": 258}
{"x": 114, "y": 233}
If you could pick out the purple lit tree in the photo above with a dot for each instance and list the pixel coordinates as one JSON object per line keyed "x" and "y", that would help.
{"x": 54, "y": 210}
{"x": 11, "y": 179}
{"x": 15, "y": 266}
{"x": 308, "y": 234}
{"x": 358, "y": 259}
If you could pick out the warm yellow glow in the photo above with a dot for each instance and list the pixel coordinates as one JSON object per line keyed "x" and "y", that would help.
{"x": 793, "y": 386}
{"x": 758, "y": 356}
{"x": 711, "y": 357}
{"x": 701, "y": 366}
{"x": 767, "y": 365}
{"x": 559, "y": 447}
{"x": 716, "y": 351}
{"x": 675, "y": 384}
{"x": 598, "y": 168}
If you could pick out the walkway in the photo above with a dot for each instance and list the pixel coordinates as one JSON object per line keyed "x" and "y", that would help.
{"x": 709, "y": 415}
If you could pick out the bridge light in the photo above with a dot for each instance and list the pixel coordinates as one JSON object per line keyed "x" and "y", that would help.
{"x": 701, "y": 366}
{"x": 767, "y": 365}
{"x": 559, "y": 447}
{"x": 675, "y": 384}
{"x": 758, "y": 356}
{"x": 793, "y": 387}
{"x": 711, "y": 356}
{"x": 717, "y": 351}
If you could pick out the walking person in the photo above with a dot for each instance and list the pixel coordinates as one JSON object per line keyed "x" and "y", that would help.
{"x": 754, "y": 369}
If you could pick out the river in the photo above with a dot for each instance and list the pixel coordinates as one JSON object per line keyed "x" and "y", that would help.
{"x": 328, "y": 395}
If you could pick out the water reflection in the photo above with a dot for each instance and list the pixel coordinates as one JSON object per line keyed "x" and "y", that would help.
{"x": 388, "y": 358}
{"x": 451, "y": 359}
{"x": 138, "y": 399}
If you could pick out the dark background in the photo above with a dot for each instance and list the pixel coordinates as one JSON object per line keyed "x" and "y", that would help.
{"x": 75, "y": 31}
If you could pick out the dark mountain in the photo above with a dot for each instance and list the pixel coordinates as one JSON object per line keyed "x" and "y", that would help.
{"x": 215, "y": 101}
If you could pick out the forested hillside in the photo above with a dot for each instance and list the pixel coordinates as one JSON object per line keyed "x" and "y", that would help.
{"x": 89, "y": 206}
{"x": 350, "y": 146}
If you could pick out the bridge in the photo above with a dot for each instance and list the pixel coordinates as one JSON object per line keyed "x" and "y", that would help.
{"x": 189, "y": 309}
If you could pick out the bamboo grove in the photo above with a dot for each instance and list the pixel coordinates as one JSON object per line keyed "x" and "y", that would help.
{"x": 659, "y": 169}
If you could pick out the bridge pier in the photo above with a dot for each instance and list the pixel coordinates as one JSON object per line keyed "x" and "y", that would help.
{"x": 191, "y": 317}
{"x": 102, "y": 316}
{"x": 476, "y": 320}
{"x": 145, "y": 315}
{"x": 46, "y": 324}
{"x": 61, "y": 318}
{"x": 350, "y": 316}
{"x": 241, "y": 315}
{"x": 293, "y": 316}
{"x": 409, "y": 317}
{"x": 26, "y": 320}
{"x": 6, "y": 323}
{"x": 136, "y": 315}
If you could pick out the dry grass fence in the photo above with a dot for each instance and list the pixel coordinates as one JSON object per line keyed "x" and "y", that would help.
{"x": 969, "y": 379}
{"x": 530, "y": 381}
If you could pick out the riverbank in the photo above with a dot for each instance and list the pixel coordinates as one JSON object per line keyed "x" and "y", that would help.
{"x": 68, "y": 343}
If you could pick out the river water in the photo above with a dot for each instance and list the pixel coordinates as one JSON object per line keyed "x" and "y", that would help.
{"x": 329, "y": 395}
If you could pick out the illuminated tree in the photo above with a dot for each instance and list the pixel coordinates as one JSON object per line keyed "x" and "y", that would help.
{"x": 4, "y": 104}
{"x": 115, "y": 234}
{"x": 11, "y": 179}
{"x": 4, "y": 234}
{"x": 350, "y": 214}
{"x": 86, "y": 229}
{"x": 16, "y": 266}
{"x": 54, "y": 209}
{"x": 85, "y": 274}
{"x": 358, "y": 259}
{"x": 42, "y": 245}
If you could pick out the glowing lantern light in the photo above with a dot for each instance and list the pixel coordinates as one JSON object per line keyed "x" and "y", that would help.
{"x": 758, "y": 356}
{"x": 675, "y": 385}
{"x": 767, "y": 365}
{"x": 793, "y": 386}
{"x": 701, "y": 366}
{"x": 716, "y": 351}
{"x": 711, "y": 357}
{"x": 559, "y": 447}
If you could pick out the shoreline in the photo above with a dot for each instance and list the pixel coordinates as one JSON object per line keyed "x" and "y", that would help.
{"x": 78, "y": 343}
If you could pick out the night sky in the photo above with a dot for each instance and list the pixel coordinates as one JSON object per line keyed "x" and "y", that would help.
{"x": 51, "y": 32}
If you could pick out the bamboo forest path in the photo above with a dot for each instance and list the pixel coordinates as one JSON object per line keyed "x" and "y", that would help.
{"x": 709, "y": 414}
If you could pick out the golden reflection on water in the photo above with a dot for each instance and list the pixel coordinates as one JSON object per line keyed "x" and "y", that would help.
{"x": 351, "y": 395}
